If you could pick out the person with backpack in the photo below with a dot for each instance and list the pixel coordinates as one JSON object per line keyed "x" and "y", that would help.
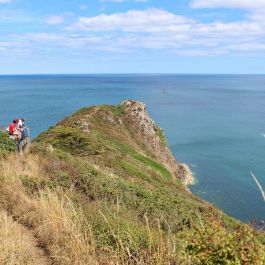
{"x": 15, "y": 130}
{"x": 12, "y": 127}
{"x": 25, "y": 138}
{"x": 19, "y": 132}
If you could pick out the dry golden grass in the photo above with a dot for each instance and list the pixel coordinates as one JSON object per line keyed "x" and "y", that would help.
{"x": 66, "y": 235}
{"x": 64, "y": 229}
{"x": 16, "y": 165}
{"x": 56, "y": 223}
{"x": 15, "y": 244}
{"x": 51, "y": 216}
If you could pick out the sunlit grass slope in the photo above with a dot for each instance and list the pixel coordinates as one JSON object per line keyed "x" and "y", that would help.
{"x": 91, "y": 191}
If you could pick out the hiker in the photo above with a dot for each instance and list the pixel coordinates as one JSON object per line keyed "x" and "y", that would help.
{"x": 23, "y": 142}
{"x": 15, "y": 130}
{"x": 19, "y": 133}
{"x": 12, "y": 127}
{"x": 20, "y": 123}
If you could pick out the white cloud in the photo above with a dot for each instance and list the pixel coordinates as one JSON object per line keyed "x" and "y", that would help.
{"x": 160, "y": 29}
{"x": 160, "y": 21}
{"x": 54, "y": 19}
{"x": 5, "y": 1}
{"x": 150, "y": 20}
{"x": 258, "y": 16}
{"x": 245, "y": 4}
{"x": 151, "y": 29}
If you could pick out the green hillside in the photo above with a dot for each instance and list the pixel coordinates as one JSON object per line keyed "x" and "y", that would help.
{"x": 102, "y": 187}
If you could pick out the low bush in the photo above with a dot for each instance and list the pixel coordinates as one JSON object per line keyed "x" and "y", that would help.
{"x": 7, "y": 145}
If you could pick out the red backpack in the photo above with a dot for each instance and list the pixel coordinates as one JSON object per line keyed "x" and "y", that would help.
{"x": 12, "y": 128}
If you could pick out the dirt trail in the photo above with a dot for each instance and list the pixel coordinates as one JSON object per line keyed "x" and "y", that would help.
{"x": 37, "y": 252}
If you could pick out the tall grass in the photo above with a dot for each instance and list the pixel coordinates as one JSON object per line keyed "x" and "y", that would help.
{"x": 66, "y": 225}
{"x": 58, "y": 224}
{"x": 258, "y": 185}
{"x": 60, "y": 227}
{"x": 15, "y": 247}
{"x": 72, "y": 229}
{"x": 15, "y": 166}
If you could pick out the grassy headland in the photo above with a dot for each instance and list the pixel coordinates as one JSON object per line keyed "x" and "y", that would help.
{"x": 102, "y": 187}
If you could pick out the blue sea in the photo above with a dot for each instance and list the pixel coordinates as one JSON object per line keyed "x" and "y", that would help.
{"x": 214, "y": 123}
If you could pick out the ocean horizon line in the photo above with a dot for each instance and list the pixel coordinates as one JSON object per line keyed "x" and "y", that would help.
{"x": 131, "y": 74}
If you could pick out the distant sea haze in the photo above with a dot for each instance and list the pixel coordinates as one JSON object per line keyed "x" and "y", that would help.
{"x": 215, "y": 123}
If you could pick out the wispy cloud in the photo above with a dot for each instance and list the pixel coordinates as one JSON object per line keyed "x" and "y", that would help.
{"x": 114, "y": 31}
{"x": 180, "y": 34}
{"x": 5, "y": 1}
{"x": 248, "y": 4}
{"x": 150, "y": 29}
{"x": 150, "y": 20}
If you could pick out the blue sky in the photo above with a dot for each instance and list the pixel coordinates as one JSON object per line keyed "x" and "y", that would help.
{"x": 132, "y": 36}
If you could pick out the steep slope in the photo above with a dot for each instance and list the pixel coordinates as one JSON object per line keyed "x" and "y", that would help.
{"x": 102, "y": 187}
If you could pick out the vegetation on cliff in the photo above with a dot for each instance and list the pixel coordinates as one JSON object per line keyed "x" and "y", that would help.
{"x": 6, "y": 144}
{"x": 102, "y": 187}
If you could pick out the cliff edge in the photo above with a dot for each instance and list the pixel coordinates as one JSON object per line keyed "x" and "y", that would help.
{"x": 143, "y": 127}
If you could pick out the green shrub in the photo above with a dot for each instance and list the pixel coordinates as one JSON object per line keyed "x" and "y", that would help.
{"x": 6, "y": 144}
{"x": 216, "y": 245}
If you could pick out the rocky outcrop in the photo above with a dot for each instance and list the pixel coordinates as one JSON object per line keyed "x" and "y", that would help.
{"x": 153, "y": 136}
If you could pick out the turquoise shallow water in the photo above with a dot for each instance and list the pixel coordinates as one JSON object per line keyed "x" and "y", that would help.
{"x": 213, "y": 123}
